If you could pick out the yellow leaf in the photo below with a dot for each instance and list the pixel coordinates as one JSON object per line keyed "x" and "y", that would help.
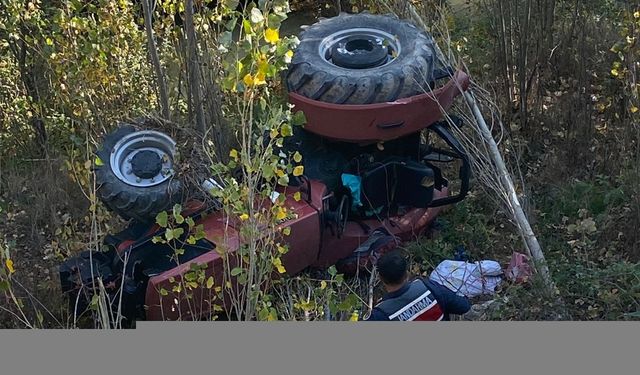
{"x": 614, "y": 72}
{"x": 272, "y": 35}
{"x": 210, "y": 282}
{"x": 323, "y": 285}
{"x": 281, "y": 249}
{"x": 278, "y": 264}
{"x": 298, "y": 171}
{"x": 248, "y": 79}
{"x": 259, "y": 79}
{"x": 274, "y": 133}
{"x": 296, "y": 196}
{"x": 636, "y": 14}
{"x": 287, "y": 56}
{"x": 98, "y": 162}
{"x": 281, "y": 214}
{"x": 233, "y": 153}
{"x": 244, "y": 217}
{"x": 9, "y": 264}
{"x": 633, "y": 109}
{"x": 263, "y": 66}
{"x": 354, "y": 316}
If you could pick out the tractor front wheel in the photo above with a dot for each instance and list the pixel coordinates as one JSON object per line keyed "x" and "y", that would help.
{"x": 135, "y": 175}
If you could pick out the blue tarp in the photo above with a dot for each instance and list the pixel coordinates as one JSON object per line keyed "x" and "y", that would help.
{"x": 354, "y": 184}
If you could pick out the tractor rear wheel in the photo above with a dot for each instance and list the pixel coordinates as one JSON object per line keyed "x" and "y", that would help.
{"x": 361, "y": 59}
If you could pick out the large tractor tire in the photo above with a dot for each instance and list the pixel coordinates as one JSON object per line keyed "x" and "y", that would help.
{"x": 361, "y": 59}
{"x": 135, "y": 176}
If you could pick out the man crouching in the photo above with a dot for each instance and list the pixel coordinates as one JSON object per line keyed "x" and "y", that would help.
{"x": 419, "y": 299}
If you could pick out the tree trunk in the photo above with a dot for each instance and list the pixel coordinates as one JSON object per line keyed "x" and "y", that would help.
{"x": 163, "y": 101}
{"x": 193, "y": 68}
{"x": 33, "y": 79}
{"x": 531, "y": 242}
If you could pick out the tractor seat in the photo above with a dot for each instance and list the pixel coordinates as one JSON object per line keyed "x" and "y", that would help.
{"x": 396, "y": 183}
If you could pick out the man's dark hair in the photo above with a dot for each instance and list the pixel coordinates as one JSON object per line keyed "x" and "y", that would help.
{"x": 392, "y": 268}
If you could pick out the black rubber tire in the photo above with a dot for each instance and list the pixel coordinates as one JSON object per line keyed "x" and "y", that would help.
{"x": 312, "y": 76}
{"x": 131, "y": 202}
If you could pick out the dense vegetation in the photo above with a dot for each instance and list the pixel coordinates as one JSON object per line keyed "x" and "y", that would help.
{"x": 564, "y": 74}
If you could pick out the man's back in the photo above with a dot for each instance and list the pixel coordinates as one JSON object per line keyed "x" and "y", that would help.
{"x": 419, "y": 300}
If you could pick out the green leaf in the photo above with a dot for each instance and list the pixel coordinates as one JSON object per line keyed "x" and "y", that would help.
{"x": 225, "y": 38}
{"x": 297, "y": 157}
{"x": 247, "y": 27}
{"x": 231, "y": 24}
{"x": 267, "y": 171}
{"x": 190, "y": 222}
{"x": 256, "y": 16}
{"x": 161, "y": 219}
{"x": 242, "y": 278}
{"x": 284, "y": 180}
{"x": 265, "y": 48}
{"x": 275, "y": 20}
{"x": 286, "y": 130}
{"x": 210, "y": 282}
{"x": 299, "y": 118}
{"x": 348, "y": 303}
{"x": 94, "y": 300}
{"x": 158, "y": 239}
{"x": 200, "y": 234}
{"x": 332, "y": 270}
{"x": 170, "y": 234}
{"x": 231, "y": 4}
{"x": 236, "y": 271}
{"x": 263, "y": 314}
{"x": 177, "y": 209}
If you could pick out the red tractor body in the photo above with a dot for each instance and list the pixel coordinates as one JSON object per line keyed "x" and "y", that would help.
{"x": 367, "y": 123}
{"x": 399, "y": 188}
{"x": 310, "y": 245}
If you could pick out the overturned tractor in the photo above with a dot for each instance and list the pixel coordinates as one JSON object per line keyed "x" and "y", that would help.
{"x": 362, "y": 81}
